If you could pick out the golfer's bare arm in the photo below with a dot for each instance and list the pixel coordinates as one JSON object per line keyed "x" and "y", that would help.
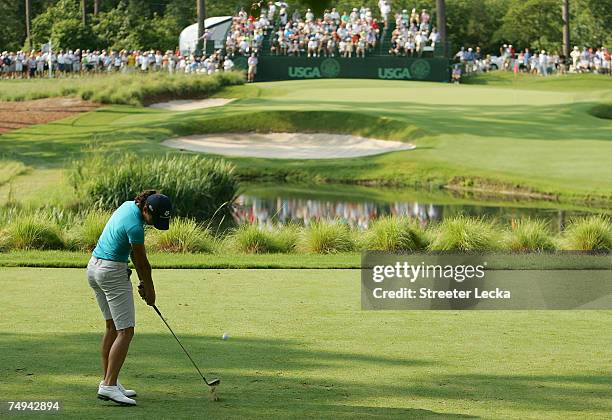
{"x": 143, "y": 268}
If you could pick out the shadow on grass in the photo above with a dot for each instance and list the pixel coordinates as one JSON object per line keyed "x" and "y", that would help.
{"x": 264, "y": 378}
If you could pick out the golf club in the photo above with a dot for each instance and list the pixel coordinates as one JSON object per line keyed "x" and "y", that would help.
{"x": 213, "y": 382}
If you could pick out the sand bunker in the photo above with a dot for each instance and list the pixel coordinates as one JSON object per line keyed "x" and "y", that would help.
{"x": 191, "y": 105}
{"x": 287, "y": 145}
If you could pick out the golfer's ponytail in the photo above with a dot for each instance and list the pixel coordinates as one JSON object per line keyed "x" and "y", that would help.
{"x": 141, "y": 199}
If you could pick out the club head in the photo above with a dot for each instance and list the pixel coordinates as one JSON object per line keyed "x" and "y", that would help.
{"x": 214, "y": 382}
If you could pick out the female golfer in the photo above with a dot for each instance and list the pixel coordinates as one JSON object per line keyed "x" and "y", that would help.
{"x": 109, "y": 277}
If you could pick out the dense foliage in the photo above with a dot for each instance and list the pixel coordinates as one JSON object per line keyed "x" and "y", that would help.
{"x": 200, "y": 188}
{"x": 140, "y": 24}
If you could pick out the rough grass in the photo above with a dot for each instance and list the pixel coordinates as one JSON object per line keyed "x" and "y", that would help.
{"x": 32, "y": 232}
{"x": 184, "y": 236}
{"x": 127, "y": 89}
{"x": 396, "y": 234}
{"x": 86, "y": 234}
{"x": 200, "y": 188}
{"x": 9, "y": 169}
{"x": 465, "y": 234}
{"x": 255, "y": 239}
{"x": 326, "y": 237}
{"x": 593, "y": 233}
{"x": 530, "y": 235}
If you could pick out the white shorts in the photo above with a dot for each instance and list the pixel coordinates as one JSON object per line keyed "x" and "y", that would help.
{"x": 111, "y": 284}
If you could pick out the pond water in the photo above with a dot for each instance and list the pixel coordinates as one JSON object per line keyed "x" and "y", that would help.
{"x": 359, "y": 206}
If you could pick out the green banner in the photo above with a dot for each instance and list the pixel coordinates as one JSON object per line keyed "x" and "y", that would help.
{"x": 391, "y": 68}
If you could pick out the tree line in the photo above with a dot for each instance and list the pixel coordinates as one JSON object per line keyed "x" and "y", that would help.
{"x": 146, "y": 24}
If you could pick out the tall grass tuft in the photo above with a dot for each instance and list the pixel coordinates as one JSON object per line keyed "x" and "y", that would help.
{"x": 326, "y": 237}
{"x": 530, "y": 235}
{"x": 33, "y": 232}
{"x": 129, "y": 89}
{"x": 200, "y": 188}
{"x": 254, "y": 239}
{"x": 184, "y": 235}
{"x": 465, "y": 234}
{"x": 395, "y": 234}
{"x": 287, "y": 237}
{"x": 593, "y": 233}
{"x": 86, "y": 234}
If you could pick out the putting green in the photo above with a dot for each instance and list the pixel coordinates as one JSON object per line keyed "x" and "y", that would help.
{"x": 300, "y": 347}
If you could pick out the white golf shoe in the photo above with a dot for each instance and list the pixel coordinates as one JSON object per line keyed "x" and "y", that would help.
{"x": 114, "y": 394}
{"x": 130, "y": 393}
{"x": 127, "y": 392}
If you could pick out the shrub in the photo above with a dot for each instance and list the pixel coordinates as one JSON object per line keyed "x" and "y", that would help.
{"x": 593, "y": 233}
{"x": 530, "y": 235}
{"x": 184, "y": 235}
{"x": 33, "y": 232}
{"x": 325, "y": 237}
{"x": 200, "y": 188}
{"x": 465, "y": 234}
{"x": 395, "y": 234}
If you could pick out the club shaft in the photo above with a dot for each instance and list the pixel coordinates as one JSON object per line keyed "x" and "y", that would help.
{"x": 179, "y": 342}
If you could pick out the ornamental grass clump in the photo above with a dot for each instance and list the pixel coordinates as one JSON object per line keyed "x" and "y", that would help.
{"x": 326, "y": 237}
{"x": 255, "y": 239}
{"x": 592, "y": 233}
{"x": 530, "y": 235}
{"x": 395, "y": 234}
{"x": 465, "y": 234}
{"x": 86, "y": 234}
{"x": 32, "y": 232}
{"x": 184, "y": 236}
{"x": 200, "y": 188}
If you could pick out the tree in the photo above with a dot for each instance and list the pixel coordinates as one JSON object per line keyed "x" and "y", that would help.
{"x": 590, "y": 23}
{"x": 472, "y": 23}
{"x": 565, "y": 11}
{"x": 532, "y": 23}
{"x": 12, "y": 30}
{"x": 63, "y": 24}
{"x": 201, "y": 7}
{"x": 84, "y": 12}
{"x": 28, "y": 16}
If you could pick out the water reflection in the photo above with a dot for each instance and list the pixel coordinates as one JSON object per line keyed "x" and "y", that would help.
{"x": 283, "y": 209}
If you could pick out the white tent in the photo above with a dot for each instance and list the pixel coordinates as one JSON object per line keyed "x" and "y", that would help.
{"x": 217, "y": 27}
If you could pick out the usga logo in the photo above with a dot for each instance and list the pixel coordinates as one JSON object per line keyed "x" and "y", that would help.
{"x": 329, "y": 67}
{"x": 394, "y": 73}
{"x": 304, "y": 72}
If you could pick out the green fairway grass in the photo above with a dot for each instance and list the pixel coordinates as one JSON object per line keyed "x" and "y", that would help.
{"x": 300, "y": 347}
{"x": 513, "y": 261}
{"x": 535, "y": 139}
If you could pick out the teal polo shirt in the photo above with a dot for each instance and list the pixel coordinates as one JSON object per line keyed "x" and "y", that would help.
{"x": 124, "y": 228}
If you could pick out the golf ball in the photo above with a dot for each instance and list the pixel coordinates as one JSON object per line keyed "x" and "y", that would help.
{"x": 225, "y": 336}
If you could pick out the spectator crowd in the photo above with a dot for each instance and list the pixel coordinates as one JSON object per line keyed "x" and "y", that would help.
{"x": 75, "y": 63}
{"x": 348, "y": 34}
{"x": 413, "y": 33}
{"x": 543, "y": 63}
